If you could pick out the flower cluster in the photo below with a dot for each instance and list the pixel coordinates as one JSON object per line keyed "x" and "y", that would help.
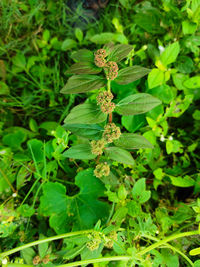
{"x": 102, "y": 169}
{"x": 37, "y": 259}
{"x": 94, "y": 242}
{"x": 104, "y": 100}
{"x": 111, "y": 238}
{"x": 111, "y": 132}
{"x": 97, "y": 147}
{"x": 99, "y": 58}
{"x": 111, "y": 70}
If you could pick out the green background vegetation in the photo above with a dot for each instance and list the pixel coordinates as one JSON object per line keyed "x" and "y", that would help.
{"x": 43, "y": 192}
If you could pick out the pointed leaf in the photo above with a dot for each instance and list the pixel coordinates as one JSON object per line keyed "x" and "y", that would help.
{"x": 83, "y": 55}
{"x": 81, "y": 151}
{"x": 90, "y": 131}
{"x": 137, "y": 104}
{"x": 83, "y": 83}
{"x": 83, "y": 68}
{"x": 119, "y": 155}
{"x": 119, "y": 52}
{"x": 155, "y": 78}
{"x": 85, "y": 114}
{"x": 170, "y": 53}
{"x": 132, "y": 141}
{"x": 131, "y": 74}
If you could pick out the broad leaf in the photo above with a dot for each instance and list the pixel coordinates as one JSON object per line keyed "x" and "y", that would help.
{"x": 85, "y": 114}
{"x": 139, "y": 191}
{"x": 36, "y": 150}
{"x": 81, "y": 211}
{"x": 81, "y": 151}
{"x": 83, "y": 83}
{"x": 192, "y": 83}
{"x": 83, "y": 55}
{"x": 186, "y": 181}
{"x": 83, "y": 68}
{"x": 131, "y": 74}
{"x": 119, "y": 52}
{"x": 155, "y": 78}
{"x": 170, "y": 54}
{"x": 132, "y": 141}
{"x": 137, "y": 104}
{"x": 119, "y": 155}
{"x": 90, "y": 131}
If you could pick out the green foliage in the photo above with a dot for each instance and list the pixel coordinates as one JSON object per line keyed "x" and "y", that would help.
{"x": 110, "y": 90}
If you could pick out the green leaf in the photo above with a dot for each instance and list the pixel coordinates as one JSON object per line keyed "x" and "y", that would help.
{"x": 81, "y": 211}
{"x": 170, "y": 54}
{"x": 42, "y": 248}
{"x": 137, "y": 104}
{"x": 36, "y": 150}
{"x": 119, "y": 155}
{"x": 27, "y": 254}
{"x": 83, "y": 68}
{"x": 149, "y": 20}
{"x": 83, "y": 55}
{"x": 102, "y": 38}
{"x": 4, "y": 90}
{"x": 186, "y": 181}
{"x": 26, "y": 210}
{"x": 132, "y": 141}
{"x": 85, "y": 114}
{"x": 119, "y": 52}
{"x": 20, "y": 61}
{"x": 81, "y": 151}
{"x": 68, "y": 44}
{"x": 155, "y": 78}
{"x": 139, "y": 192}
{"x": 15, "y": 139}
{"x": 133, "y": 123}
{"x": 188, "y": 27}
{"x": 79, "y": 34}
{"x": 82, "y": 83}
{"x": 131, "y": 74}
{"x": 90, "y": 131}
{"x": 163, "y": 92}
{"x": 192, "y": 83}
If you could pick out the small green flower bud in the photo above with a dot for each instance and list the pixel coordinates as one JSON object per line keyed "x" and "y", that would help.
{"x": 111, "y": 238}
{"x": 97, "y": 147}
{"x": 102, "y": 169}
{"x": 94, "y": 242}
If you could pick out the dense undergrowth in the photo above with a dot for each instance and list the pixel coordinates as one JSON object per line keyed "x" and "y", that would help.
{"x": 145, "y": 210}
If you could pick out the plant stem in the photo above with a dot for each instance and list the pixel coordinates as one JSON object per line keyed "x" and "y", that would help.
{"x": 164, "y": 241}
{"x": 7, "y": 180}
{"x": 172, "y": 248}
{"x": 4, "y": 254}
{"x": 18, "y": 265}
{"x": 110, "y": 118}
{"x": 81, "y": 263}
{"x": 108, "y": 85}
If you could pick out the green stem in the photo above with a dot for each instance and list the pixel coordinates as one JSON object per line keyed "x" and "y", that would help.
{"x": 108, "y": 86}
{"x": 4, "y": 254}
{"x": 172, "y": 248}
{"x": 7, "y": 180}
{"x": 81, "y": 263}
{"x": 18, "y": 265}
{"x": 164, "y": 241}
